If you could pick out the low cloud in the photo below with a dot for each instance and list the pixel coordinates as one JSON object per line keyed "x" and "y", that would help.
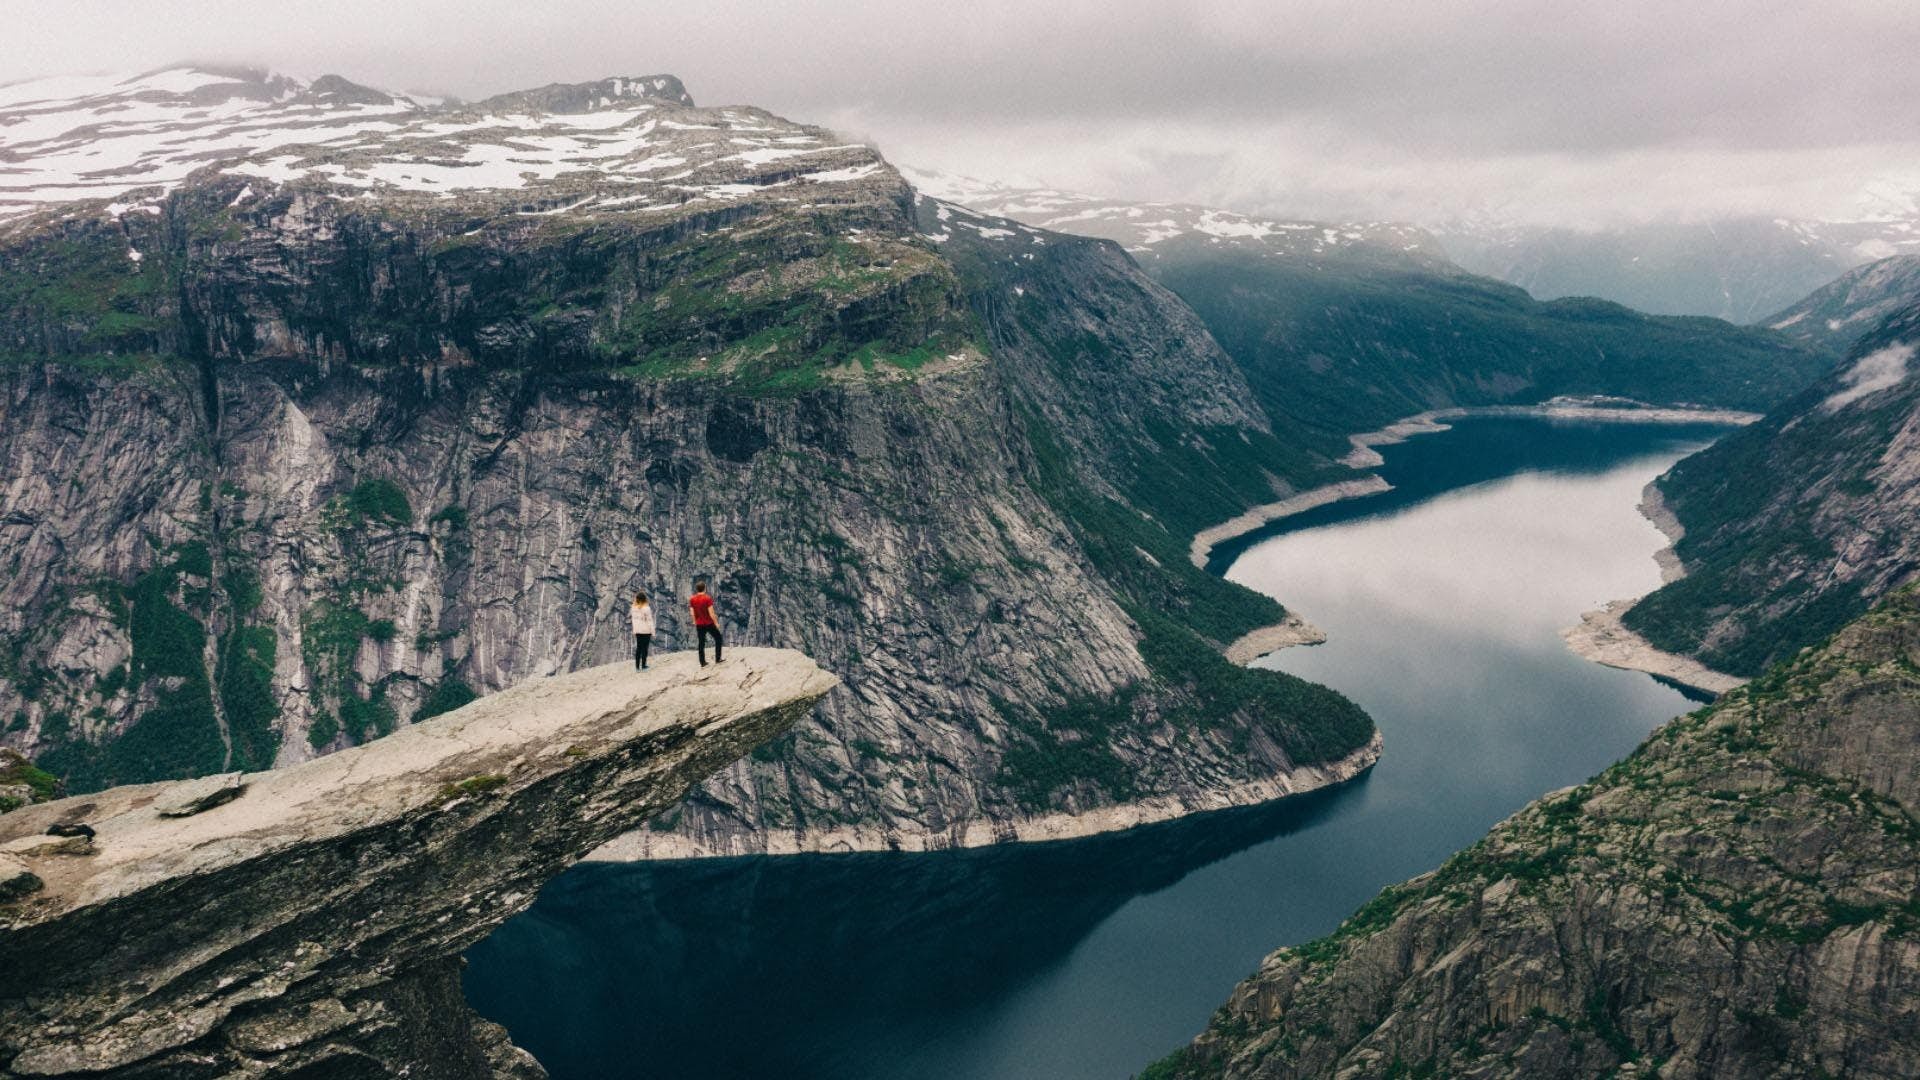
{"x": 1566, "y": 112}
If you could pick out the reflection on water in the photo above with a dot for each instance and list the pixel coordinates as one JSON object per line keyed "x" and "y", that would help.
{"x": 1090, "y": 958}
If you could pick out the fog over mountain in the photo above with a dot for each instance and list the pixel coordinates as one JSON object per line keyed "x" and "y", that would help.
{"x": 1498, "y": 110}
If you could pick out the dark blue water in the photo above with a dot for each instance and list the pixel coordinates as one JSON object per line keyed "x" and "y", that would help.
{"x": 1090, "y": 958}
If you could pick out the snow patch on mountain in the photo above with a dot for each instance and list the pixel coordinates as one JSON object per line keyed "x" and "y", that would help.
{"x": 608, "y": 145}
{"x": 1148, "y": 228}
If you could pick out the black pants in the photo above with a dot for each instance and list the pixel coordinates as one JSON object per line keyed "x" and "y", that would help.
{"x": 641, "y": 643}
{"x": 703, "y": 632}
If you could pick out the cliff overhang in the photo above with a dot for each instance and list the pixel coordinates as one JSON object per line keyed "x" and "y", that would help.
{"x": 309, "y": 921}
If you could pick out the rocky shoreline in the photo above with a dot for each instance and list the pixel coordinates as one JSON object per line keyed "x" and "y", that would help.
{"x": 1207, "y": 539}
{"x": 1602, "y": 638}
{"x": 645, "y": 844}
{"x": 1285, "y": 634}
{"x": 1607, "y": 410}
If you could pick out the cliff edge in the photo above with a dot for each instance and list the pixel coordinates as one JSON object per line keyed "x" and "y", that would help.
{"x": 309, "y": 921}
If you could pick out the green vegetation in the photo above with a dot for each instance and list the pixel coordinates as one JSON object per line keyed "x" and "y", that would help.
{"x": 16, "y": 769}
{"x": 785, "y": 309}
{"x": 367, "y": 718}
{"x": 474, "y": 785}
{"x": 1339, "y": 346}
{"x": 378, "y": 501}
{"x": 1185, "y": 616}
{"x": 80, "y": 276}
{"x": 1764, "y": 785}
{"x": 1763, "y": 509}
{"x": 179, "y": 735}
{"x": 447, "y": 695}
{"x": 1066, "y": 745}
{"x": 246, "y": 695}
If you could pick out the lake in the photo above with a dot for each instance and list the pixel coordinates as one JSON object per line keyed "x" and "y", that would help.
{"x": 1088, "y": 959}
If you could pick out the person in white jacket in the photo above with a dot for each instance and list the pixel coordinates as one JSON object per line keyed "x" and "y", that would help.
{"x": 642, "y": 630}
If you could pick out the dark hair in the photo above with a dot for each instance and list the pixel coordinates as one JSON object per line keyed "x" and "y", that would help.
{"x": 699, "y": 584}
{"x": 639, "y": 598}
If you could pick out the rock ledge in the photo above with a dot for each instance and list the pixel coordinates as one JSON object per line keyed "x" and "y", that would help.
{"x": 313, "y": 923}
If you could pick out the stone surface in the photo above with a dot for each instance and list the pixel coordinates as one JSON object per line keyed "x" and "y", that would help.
{"x": 1735, "y": 900}
{"x": 202, "y": 794}
{"x": 1603, "y": 638}
{"x": 28, "y": 847}
{"x": 314, "y": 926}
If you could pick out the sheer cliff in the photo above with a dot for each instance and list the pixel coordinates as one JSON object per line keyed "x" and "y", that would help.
{"x": 1799, "y": 522}
{"x": 309, "y": 921}
{"x": 372, "y": 406}
{"x": 1734, "y": 900}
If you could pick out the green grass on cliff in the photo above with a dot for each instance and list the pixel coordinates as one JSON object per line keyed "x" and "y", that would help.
{"x": 1186, "y": 616}
{"x": 16, "y": 769}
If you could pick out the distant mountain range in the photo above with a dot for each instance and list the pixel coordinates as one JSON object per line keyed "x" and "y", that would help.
{"x": 1148, "y": 230}
{"x": 1741, "y": 270}
{"x": 1841, "y": 312}
{"x": 1343, "y": 327}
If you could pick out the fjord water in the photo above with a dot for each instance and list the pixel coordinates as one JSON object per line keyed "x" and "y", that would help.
{"x": 1090, "y": 958}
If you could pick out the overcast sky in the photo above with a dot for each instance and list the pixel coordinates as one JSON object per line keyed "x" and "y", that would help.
{"x": 1549, "y": 110}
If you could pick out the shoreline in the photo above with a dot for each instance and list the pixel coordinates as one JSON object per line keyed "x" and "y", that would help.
{"x": 1606, "y": 410}
{"x": 1285, "y": 634}
{"x": 643, "y": 845}
{"x": 1601, "y": 636}
{"x": 1266, "y": 514}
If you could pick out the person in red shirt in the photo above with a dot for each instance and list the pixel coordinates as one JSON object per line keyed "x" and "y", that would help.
{"x": 705, "y": 621}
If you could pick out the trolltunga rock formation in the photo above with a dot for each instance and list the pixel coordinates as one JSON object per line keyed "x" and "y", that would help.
{"x": 309, "y": 922}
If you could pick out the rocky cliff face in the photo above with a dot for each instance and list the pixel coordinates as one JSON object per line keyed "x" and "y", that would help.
{"x": 1799, "y": 522}
{"x": 309, "y": 921}
{"x": 328, "y": 437}
{"x": 1855, "y": 304}
{"x": 1734, "y": 900}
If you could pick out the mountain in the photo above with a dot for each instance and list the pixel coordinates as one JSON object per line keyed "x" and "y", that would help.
{"x": 1348, "y": 328}
{"x": 1150, "y": 230}
{"x": 1799, "y": 522}
{"x": 1738, "y": 269}
{"x": 1734, "y": 900}
{"x": 1837, "y": 314}
{"x": 325, "y": 410}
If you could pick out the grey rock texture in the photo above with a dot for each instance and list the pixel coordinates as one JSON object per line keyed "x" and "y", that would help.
{"x": 1839, "y": 313}
{"x": 313, "y": 925}
{"x": 1801, "y": 521}
{"x": 1735, "y": 900}
{"x": 331, "y": 457}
